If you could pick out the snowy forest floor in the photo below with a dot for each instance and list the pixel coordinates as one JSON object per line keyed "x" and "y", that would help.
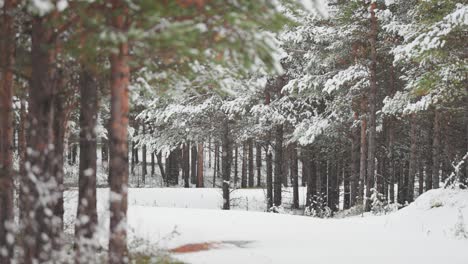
{"x": 188, "y": 225}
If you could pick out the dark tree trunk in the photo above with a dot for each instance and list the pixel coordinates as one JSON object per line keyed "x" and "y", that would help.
{"x": 258, "y": 162}
{"x": 186, "y": 165}
{"x": 118, "y": 169}
{"x": 372, "y": 107}
{"x": 218, "y": 158}
{"x": 278, "y": 165}
{"x": 161, "y": 167}
{"x": 294, "y": 176}
{"x": 251, "y": 162}
{"x": 227, "y": 159}
{"x": 193, "y": 174}
{"x": 74, "y": 152}
{"x": 144, "y": 170}
{"x": 305, "y": 161}
{"x": 215, "y": 170}
{"x": 413, "y": 158}
{"x": 363, "y": 156}
{"x": 244, "y": 166}
{"x": 7, "y": 49}
{"x": 269, "y": 178}
{"x": 86, "y": 223}
{"x": 236, "y": 166}
{"x": 344, "y": 171}
{"x": 354, "y": 177}
{"x": 104, "y": 153}
{"x": 40, "y": 231}
{"x": 200, "y": 179}
{"x": 436, "y": 151}
{"x": 153, "y": 171}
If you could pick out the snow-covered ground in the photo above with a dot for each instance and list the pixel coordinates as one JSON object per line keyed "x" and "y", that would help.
{"x": 427, "y": 231}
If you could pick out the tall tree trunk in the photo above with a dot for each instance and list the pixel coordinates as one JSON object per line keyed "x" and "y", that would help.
{"x": 244, "y": 166}
{"x": 104, "y": 153}
{"x": 200, "y": 180}
{"x": 277, "y": 181}
{"x": 118, "y": 169}
{"x": 193, "y": 174}
{"x": 251, "y": 162}
{"x": 215, "y": 170}
{"x": 363, "y": 156}
{"x": 40, "y": 230}
{"x": 354, "y": 177}
{"x": 7, "y": 50}
{"x": 269, "y": 178}
{"x": 258, "y": 162}
{"x": 186, "y": 165}
{"x": 227, "y": 159}
{"x": 436, "y": 151}
{"x": 86, "y": 223}
{"x": 236, "y": 166}
{"x": 372, "y": 107}
{"x": 305, "y": 161}
{"x": 144, "y": 170}
{"x": 413, "y": 158}
{"x": 153, "y": 164}
{"x": 294, "y": 176}
{"x": 161, "y": 167}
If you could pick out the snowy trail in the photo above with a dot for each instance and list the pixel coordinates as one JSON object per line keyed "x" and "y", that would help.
{"x": 292, "y": 239}
{"x": 423, "y": 232}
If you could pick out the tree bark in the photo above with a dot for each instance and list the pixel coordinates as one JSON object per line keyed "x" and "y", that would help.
{"x": 226, "y": 163}
{"x": 413, "y": 158}
{"x": 236, "y": 166}
{"x": 40, "y": 230}
{"x": 363, "y": 156}
{"x": 118, "y": 169}
{"x": 244, "y": 166}
{"x": 294, "y": 176}
{"x": 277, "y": 181}
{"x": 86, "y": 223}
{"x": 186, "y": 165}
{"x": 161, "y": 167}
{"x": 436, "y": 151}
{"x": 193, "y": 174}
{"x": 258, "y": 162}
{"x": 372, "y": 107}
{"x": 144, "y": 170}
{"x": 200, "y": 180}
{"x": 251, "y": 162}
{"x": 354, "y": 177}
{"x": 269, "y": 178}
{"x": 7, "y": 50}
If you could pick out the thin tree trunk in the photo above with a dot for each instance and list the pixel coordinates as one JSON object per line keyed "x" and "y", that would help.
{"x": 227, "y": 159}
{"x": 236, "y": 166}
{"x": 363, "y": 156}
{"x": 413, "y": 158}
{"x": 144, "y": 170}
{"x": 258, "y": 162}
{"x": 193, "y": 154}
{"x": 215, "y": 170}
{"x": 118, "y": 169}
{"x": 251, "y": 162}
{"x": 269, "y": 178}
{"x": 294, "y": 176}
{"x": 244, "y": 166}
{"x": 161, "y": 167}
{"x": 86, "y": 223}
{"x": 436, "y": 151}
{"x": 186, "y": 165}
{"x": 277, "y": 181}
{"x": 354, "y": 179}
{"x": 153, "y": 171}
{"x": 7, "y": 49}
{"x": 200, "y": 180}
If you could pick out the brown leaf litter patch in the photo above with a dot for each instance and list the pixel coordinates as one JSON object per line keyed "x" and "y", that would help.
{"x": 197, "y": 247}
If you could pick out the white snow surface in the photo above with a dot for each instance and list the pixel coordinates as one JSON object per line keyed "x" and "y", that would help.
{"x": 423, "y": 232}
